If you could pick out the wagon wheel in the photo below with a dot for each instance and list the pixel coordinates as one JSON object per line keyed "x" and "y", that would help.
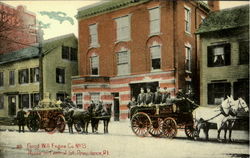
{"x": 155, "y": 128}
{"x": 78, "y": 127}
{"x": 33, "y": 122}
{"x": 60, "y": 123}
{"x": 169, "y": 127}
{"x": 189, "y": 131}
{"x": 50, "y": 125}
{"x": 140, "y": 123}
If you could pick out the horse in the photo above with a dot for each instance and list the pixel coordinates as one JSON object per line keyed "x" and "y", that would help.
{"x": 238, "y": 104}
{"x": 217, "y": 115}
{"x": 76, "y": 116}
{"x": 103, "y": 113}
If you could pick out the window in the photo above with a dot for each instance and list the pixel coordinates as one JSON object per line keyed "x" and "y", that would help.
{"x": 155, "y": 57}
{"x": 93, "y": 35}
{"x": 23, "y": 76}
{"x": 34, "y": 75}
{"x": 241, "y": 89}
{"x": 123, "y": 28}
{"x": 79, "y": 100}
{"x": 122, "y": 63}
{"x": 1, "y": 101}
{"x": 69, "y": 53}
{"x": 65, "y": 52}
{"x": 60, "y": 75}
{"x": 95, "y": 97}
{"x": 61, "y": 96}
{"x": 1, "y": 79}
{"x": 218, "y": 55}
{"x": 154, "y": 17}
{"x": 24, "y": 101}
{"x": 188, "y": 58}
{"x": 11, "y": 77}
{"x": 187, "y": 20}
{"x": 244, "y": 52}
{"x": 34, "y": 99}
{"x": 73, "y": 54}
{"x": 217, "y": 92}
{"x": 94, "y": 63}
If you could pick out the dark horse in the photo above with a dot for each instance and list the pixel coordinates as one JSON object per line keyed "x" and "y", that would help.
{"x": 100, "y": 112}
{"x": 77, "y": 117}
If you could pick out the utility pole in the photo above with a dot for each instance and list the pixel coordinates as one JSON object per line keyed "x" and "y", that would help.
{"x": 40, "y": 40}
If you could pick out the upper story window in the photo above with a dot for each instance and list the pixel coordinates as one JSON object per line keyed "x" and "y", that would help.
{"x": 188, "y": 61}
{"x": 155, "y": 52}
{"x": 219, "y": 55}
{"x": 94, "y": 65}
{"x": 93, "y": 34}
{"x": 122, "y": 63}
{"x": 79, "y": 100}
{"x": 244, "y": 52}
{"x": 34, "y": 74}
{"x": 23, "y": 76}
{"x": 187, "y": 20}
{"x": 69, "y": 53}
{"x": 1, "y": 101}
{"x": 12, "y": 78}
{"x": 154, "y": 20}
{"x": 123, "y": 28}
{"x": 60, "y": 75}
{"x": 1, "y": 79}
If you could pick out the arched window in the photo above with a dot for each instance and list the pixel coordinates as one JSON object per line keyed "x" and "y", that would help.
{"x": 155, "y": 52}
{"x": 94, "y": 64}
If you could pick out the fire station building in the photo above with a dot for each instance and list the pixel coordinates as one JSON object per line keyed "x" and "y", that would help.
{"x": 128, "y": 44}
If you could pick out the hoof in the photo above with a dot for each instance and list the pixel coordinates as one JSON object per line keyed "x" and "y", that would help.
{"x": 196, "y": 138}
{"x": 219, "y": 140}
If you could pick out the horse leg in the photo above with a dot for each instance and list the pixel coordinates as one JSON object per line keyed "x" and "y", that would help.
{"x": 197, "y": 129}
{"x": 230, "y": 131}
{"x": 219, "y": 127}
{"x": 206, "y": 129}
{"x": 225, "y": 133}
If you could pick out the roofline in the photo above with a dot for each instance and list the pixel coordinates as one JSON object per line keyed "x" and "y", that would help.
{"x": 203, "y": 32}
{"x": 25, "y": 11}
{"x": 59, "y": 37}
{"x": 21, "y": 59}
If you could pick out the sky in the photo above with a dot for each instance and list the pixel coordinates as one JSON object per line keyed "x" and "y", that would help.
{"x": 70, "y": 8}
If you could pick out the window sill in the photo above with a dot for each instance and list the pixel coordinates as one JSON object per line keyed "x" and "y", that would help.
{"x": 122, "y": 40}
{"x": 188, "y": 33}
{"x": 156, "y": 70}
{"x": 123, "y": 74}
{"x": 155, "y": 34}
{"x": 188, "y": 71}
{"x": 60, "y": 83}
{"x": 24, "y": 84}
{"x": 94, "y": 46}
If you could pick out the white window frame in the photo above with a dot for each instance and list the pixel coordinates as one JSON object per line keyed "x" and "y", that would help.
{"x": 155, "y": 44}
{"x": 151, "y": 21}
{"x": 80, "y": 101}
{"x": 120, "y": 31}
{"x": 93, "y": 31}
{"x": 187, "y": 19}
{"x": 91, "y": 65}
{"x": 188, "y": 57}
{"x": 128, "y": 61}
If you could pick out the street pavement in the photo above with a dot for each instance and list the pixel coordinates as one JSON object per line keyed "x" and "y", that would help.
{"x": 121, "y": 142}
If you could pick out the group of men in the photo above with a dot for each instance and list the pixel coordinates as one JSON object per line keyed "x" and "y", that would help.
{"x": 159, "y": 97}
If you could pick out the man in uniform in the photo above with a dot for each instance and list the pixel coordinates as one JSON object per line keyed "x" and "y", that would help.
{"x": 149, "y": 96}
{"x": 131, "y": 104}
{"x": 141, "y": 99}
{"x": 165, "y": 96}
{"x": 21, "y": 120}
{"x": 157, "y": 96}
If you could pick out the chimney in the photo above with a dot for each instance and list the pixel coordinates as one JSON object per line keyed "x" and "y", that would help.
{"x": 214, "y": 5}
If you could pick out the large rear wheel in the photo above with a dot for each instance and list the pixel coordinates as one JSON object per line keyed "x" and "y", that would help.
{"x": 140, "y": 124}
{"x": 33, "y": 122}
{"x": 169, "y": 128}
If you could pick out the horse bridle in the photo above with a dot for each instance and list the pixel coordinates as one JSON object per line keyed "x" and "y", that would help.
{"x": 242, "y": 105}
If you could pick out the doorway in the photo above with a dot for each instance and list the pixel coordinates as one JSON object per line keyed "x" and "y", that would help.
{"x": 12, "y": 105}
{"x": 116, "y": 106}
{"x": 136, "y": 87}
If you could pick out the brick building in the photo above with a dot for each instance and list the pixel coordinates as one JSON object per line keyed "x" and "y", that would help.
{"x": 17, "y": 28}
{"x": 128, "y": 44}
{"x": 225, "y": 55}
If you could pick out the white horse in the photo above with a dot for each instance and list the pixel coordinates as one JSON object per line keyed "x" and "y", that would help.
{"x": 217, "y": 115}
{"x": 238, "y": 104}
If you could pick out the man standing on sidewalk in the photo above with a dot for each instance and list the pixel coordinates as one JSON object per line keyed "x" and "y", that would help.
{"x": 21, "y": 119}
